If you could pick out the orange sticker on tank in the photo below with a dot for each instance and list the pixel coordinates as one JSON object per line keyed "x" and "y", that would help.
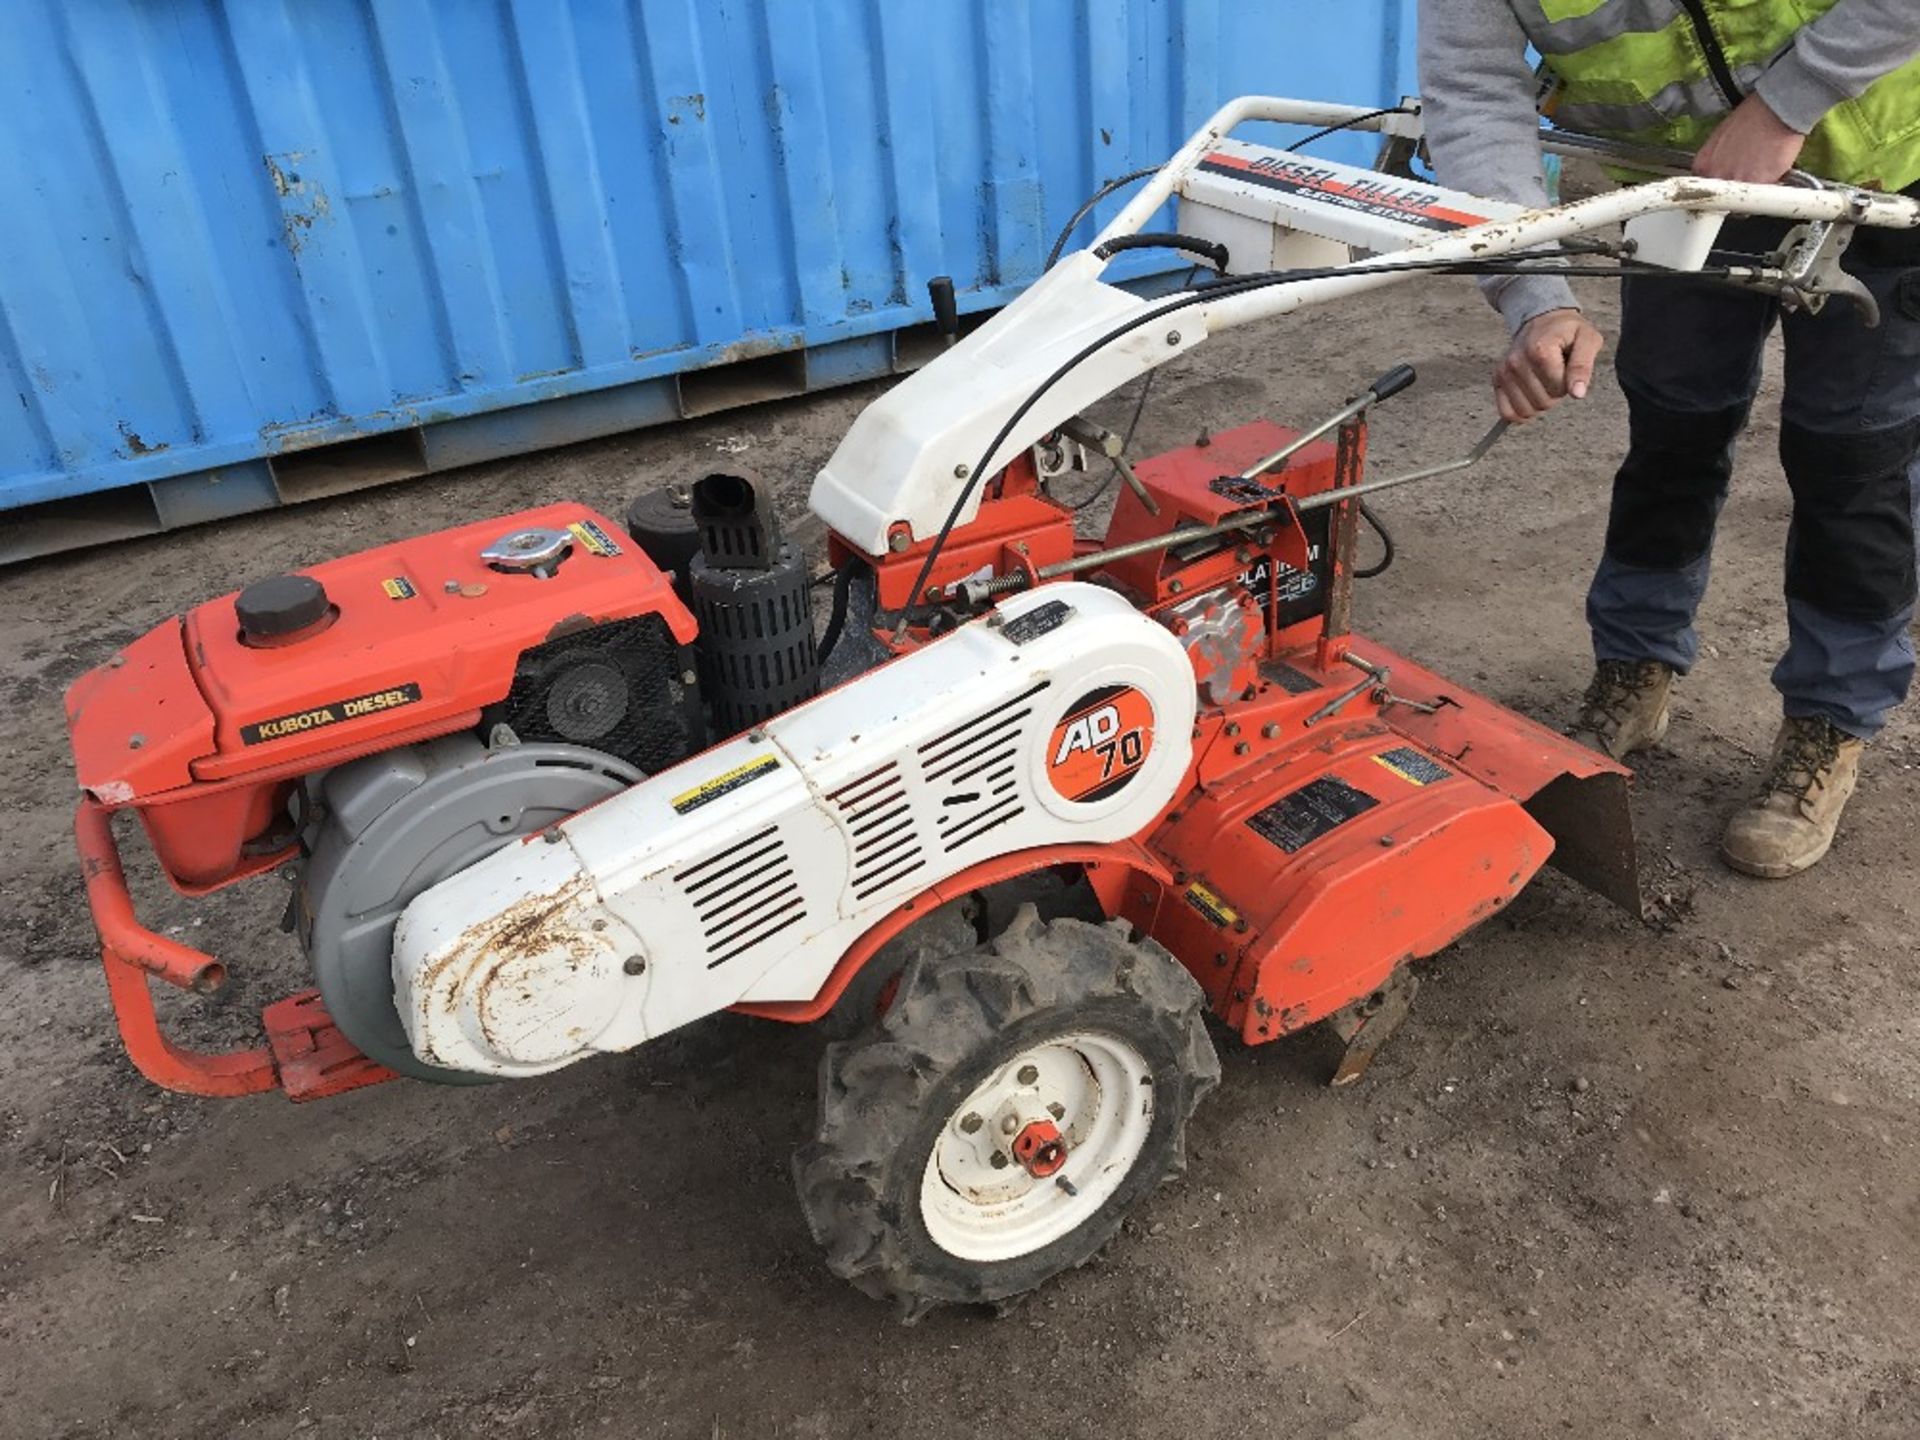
{"x": 1100, "y": 743}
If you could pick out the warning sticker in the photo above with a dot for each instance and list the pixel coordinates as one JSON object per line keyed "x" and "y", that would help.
{"x": 1100, "y": 743}
{"x": 593, "y": 538}
{"x": 708, "y": 791}
{"x": 318, "y": 717}
{"x": 1310, "y": 812}
{"x": 1410, "y": 764}
{"x": 1381, "y": 197}
{"x": 399, "y": 587}
{"x": 1209, "y": 904}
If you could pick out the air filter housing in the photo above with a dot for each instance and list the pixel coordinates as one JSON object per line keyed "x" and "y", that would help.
{"x": 751, "y": 595}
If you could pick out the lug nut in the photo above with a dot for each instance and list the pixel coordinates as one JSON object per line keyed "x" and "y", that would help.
{"x": 970, "y": 1124}
{"x": 1270, "y": 730}
{"x": 1010, "y": 1124}
{"x": 1028, "y": 1074}
{"x": 998, "y": 1160}
{"x": 635, "y": 965}
{"x": 1057, "y": 1110}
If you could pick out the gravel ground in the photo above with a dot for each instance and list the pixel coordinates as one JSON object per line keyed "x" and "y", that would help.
{"x": 1610, "y": 1179}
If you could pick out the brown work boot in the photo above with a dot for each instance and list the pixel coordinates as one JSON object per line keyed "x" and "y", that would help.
{"x": 1791, "y": 824}
{"x": 1625, "y": 708}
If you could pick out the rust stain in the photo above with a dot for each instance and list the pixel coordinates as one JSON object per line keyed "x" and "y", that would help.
{"x": 523, "y": 930}
{"x": 295, "y": 192}
{"x": 136, "y": 445}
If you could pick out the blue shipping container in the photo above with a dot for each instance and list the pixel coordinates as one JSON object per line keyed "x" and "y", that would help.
{"x": 272, "y": 249}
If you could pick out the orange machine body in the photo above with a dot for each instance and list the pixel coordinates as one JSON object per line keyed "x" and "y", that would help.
{"x": 1345, "y": 811}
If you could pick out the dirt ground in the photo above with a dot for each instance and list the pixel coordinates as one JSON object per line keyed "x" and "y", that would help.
{"x": 1610, "y": 1179}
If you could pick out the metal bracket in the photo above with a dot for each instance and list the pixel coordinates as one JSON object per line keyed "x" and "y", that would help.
{"x": 1806, "y": 272}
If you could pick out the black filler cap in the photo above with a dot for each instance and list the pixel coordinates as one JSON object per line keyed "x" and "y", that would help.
{"x": 280, "y": 605}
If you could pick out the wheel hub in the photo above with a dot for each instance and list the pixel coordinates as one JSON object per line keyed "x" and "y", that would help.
{"x": 1038, "y": 1147}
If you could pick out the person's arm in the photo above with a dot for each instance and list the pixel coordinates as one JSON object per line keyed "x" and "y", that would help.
{"x": 1832, "y": 59}
{"x": 1837, "y": 56}
{"x": 1477, "y": 93}
{"x": 1484, "y": 135}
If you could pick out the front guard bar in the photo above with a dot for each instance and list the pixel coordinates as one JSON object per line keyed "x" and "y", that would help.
{"x": 305, "y": 1054}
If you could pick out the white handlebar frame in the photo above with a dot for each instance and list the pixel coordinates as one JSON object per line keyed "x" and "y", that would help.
{"x": 912, "y": 453}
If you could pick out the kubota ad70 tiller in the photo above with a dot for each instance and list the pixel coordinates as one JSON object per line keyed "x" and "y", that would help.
{"x": 1028, "y": 811}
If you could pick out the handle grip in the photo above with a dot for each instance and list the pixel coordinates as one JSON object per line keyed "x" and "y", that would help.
{"x": 1210, "y": 250}
{"x": 1392, "y": 383}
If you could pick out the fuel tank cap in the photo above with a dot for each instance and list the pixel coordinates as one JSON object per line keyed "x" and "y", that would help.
{"x": 280, "y": 605}
{"x": 534, "y": 551}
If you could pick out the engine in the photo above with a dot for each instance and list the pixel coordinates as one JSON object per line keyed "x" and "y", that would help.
{"x": 386, "y": 719}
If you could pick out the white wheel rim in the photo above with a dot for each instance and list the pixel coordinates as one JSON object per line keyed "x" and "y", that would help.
{"x": 1099, "y": 1092}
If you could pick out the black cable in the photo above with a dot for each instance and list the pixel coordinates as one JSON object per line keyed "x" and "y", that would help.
{"x": 1092, "y": 200}
{"x": 1229, "y": 287}
{"x": 837, "y": 617}
{"x": 1348, "y": 125}
{"x": 1379, "y": 566}
{"x": 1133, "y": 423}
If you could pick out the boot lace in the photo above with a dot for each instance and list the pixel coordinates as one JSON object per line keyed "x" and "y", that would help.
{"x": 1616, "y": 685}
{"x": 1807, "y": 752}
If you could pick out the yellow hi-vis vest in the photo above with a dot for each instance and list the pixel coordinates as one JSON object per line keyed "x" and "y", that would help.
{"x": 1665, "y": 72}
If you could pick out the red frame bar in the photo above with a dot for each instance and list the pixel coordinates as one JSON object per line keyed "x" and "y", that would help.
{"x": 305, "y": 1054}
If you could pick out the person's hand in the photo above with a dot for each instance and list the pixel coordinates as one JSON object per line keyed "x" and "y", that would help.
{"x": 1551, "y": 358}
{"x": 1752, "y": 144}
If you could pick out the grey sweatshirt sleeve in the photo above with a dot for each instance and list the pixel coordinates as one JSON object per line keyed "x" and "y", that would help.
{"x": 1483, "y": 130}
{"x": 1837, "y": 56}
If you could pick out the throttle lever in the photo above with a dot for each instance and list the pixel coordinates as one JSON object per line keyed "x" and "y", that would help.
{"x": 1385, "y": 387}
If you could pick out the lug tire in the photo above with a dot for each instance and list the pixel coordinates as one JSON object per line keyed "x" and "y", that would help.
{"x": 889, "y": 1098}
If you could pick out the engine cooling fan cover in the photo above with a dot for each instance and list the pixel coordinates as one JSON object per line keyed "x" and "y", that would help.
{"x": 625, "y": 688}
{"x": 390, "y": 826}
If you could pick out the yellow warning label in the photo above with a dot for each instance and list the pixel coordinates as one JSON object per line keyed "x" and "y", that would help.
{"x": 707, "y": 791}
{"x": 1209, "y": 904}
{"x": 399, "y": 587}
{"x": 593, "y": 538}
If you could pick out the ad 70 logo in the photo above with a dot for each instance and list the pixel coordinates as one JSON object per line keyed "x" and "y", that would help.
{"x": 1100, "y": 743}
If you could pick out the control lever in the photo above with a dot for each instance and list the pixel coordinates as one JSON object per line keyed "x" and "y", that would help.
{"x": 1355, "y": 492}
{"x": 1098, "y": 437}
{"x": 979, "y": 591}
{"x": 1808, "y": 274}
{"x": 1384, "y": 388}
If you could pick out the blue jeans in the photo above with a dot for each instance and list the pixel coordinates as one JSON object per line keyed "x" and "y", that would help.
{"x": 1689, "y": 361}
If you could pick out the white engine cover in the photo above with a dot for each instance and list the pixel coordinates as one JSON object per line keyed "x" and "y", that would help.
{"x": 745, "y": 873}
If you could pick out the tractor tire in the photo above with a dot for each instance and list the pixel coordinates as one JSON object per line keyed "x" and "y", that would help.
{"x": 912, "y": 1183}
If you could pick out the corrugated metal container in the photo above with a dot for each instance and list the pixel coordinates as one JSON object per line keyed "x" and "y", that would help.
{"x": 270, "y": 250}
